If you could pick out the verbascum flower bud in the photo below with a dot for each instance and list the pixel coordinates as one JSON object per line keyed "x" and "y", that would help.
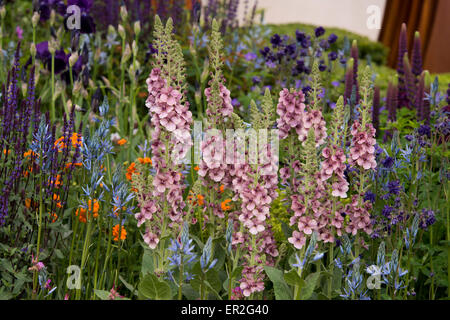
{"x": 52, "y": 46}
{"x": 123, "y": 13}
{"x": 126, "y": 54}
{"x": 33, "y": 50}
{"x": 134, "y": 47}
{"x": 35, "y": 19}
{"x": 205, "y": 72}
{"x": 137, "y": 28}
{"x": 73, "y": 59}
{"x": 52, "y": 17}
{"x": 121, "y": 31}
{"x": 76, "y": 88}
{"x": 111, "y": 30}
{"x": 198, "y": 97}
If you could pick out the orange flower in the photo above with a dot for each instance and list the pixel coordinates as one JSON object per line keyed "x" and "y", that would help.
{"x": 131, "y": 170}
{"x": 56, "y": 181}
{"x": 30, "y": 153}
{"x": 56, "y": 198}
{"x": 28, "y": 203}
{"x": 142, "y": 94}
{"x": 222, "y": 188}
{"x": 145, "y": 160}
{"x": 53, "y": 216}
{"x": 225, "y": 206}
{"x": 4, "y": 151}
{"x": 115, "y": 231}
{"x": 76, "y": 164}
{"x": 75, "y": 140}
{"x": 81, "y": 212}
{"x": 200, "y": 200}
{"x": 121, "y": 142}
{"x": 196, "y": 168}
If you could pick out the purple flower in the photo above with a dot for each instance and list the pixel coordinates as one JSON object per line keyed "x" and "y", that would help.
{"x": 370, "y": 196}
{"x": 332, "y": 38}
{"x": 320, "y": 31}
{"x": 394, "y": 187}
{"x": 332, "y": 56}
{"x": 85, "y": 5}
{"x": 300, "y": 36}
{"x": 250, "y": 56}
{"x": 19, "y": 32}
{"x": 388, "y": 162}
{"x": 424, "y": 130}
{"x": 275, "y": 40}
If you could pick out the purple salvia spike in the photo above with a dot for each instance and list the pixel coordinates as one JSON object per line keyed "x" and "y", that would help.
{"x": 402, "y": 50}
{"x": 416, "y": 56}
{"x": 410, "y": 83}
{"x": 419, "y": 100}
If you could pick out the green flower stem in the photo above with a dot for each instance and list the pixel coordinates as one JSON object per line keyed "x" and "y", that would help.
{"x": 52, "y": 109}
{"x": 41, "y": 209}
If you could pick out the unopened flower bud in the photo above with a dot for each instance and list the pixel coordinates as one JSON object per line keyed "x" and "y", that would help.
{"x": 123, "y": 13}
{"x": 73, "y": 59}
{"x": 52, "y": 17}
{"x": 35, "y": 19}
{"x": 33, "y": 49}
{"x": 137, "y": 28}
{"x": 52, "y": 47}
{"x": 205, "y": 72}
{"x": 198, "y": 97}
{"x": 121, "y": 31}
{"x": 134, "y": 48}
{"x": 126, "y": 54}
{"x": 76, "y": 88}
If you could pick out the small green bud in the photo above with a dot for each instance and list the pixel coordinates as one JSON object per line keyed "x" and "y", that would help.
{"x": 33, "y": 49}
{"x": 35, "y": 19}
{"x": 123, "y": 13}
{"x": 52, "y": 45}
{"x": 126, "y": 54}
{"x": 2, "y": 12}
{"x": 134, "y": 47}
{"x": 73, "y": 59}
{"x": 52, "y": 17}
{"x": 137, "y": 28}
{"x": 121, "y": 31}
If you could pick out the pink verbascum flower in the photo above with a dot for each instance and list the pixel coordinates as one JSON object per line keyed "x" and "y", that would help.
{"x": 362, "y": 151}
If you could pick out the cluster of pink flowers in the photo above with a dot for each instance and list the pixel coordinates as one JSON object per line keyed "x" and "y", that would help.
{"x": 171, "y": 121}
{"x": 226, "y": 108}
{"x": 312, "y": 212}
{"x": 252, "y": 280}
{"x": 334, "y": 166}
{"x": 359, "y": 216}
{"x": 256, "y": 196}
{"x": 362, "y": 151}
{"x": 293, "y": 115}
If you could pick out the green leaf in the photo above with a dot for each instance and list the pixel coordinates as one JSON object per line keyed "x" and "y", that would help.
{"x": 128, "y": 286}
{"x": 282, "y": 290}
{"x": 292, "y": 278}
{"x": 147, "y": 262}
{"x": 310, "y": 283}
{"x": 237, "y": 272}
{"x": 151, "y": 288}
{"x": 189, "y": 292}
{"x": 102, "y": 294}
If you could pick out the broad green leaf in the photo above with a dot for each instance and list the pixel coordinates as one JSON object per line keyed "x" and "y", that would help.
{"x": 282, "y": 290}
{"x": 151, "y": 288}
{"x": 310, "y": 283}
